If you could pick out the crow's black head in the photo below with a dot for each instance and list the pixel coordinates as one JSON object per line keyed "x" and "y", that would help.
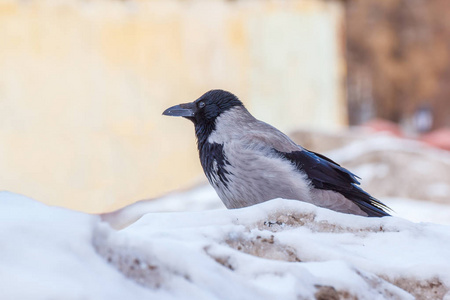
{"x": 213, "y": 103}
{"x": 205, "y": 109}
{"x": 204, "y": 112}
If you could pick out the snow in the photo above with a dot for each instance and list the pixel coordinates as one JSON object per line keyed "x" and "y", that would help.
{"x": 281, "y": 249}
{"x": 47, "y": 253}
{"x": 186, "y": 245}
{"x": 420, "y": 211}
{"x": 392, "y": 167}
{"x": 203, "y": 197}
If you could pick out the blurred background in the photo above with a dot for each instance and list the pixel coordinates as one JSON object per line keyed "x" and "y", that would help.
{"x": 83, "y": 84}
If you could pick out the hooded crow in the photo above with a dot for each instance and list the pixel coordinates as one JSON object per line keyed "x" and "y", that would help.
{"x": 248, "y": 161}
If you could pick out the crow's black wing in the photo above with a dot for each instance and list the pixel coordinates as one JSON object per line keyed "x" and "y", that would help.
{"x": 327, "y": 175}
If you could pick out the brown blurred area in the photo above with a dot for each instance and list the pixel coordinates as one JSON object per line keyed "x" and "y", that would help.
{"x": 398, "y": 60}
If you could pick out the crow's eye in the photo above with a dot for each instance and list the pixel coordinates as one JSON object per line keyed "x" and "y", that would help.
{"x": 201, "y": 104}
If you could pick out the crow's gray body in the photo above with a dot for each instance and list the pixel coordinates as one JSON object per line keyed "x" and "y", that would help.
{"x": 248, "y": 161}
{"x": 256, "y": 173}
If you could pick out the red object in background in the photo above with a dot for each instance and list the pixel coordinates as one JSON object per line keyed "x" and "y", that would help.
{"x": 381, "y": 125}
{"x": 439, "y": 138}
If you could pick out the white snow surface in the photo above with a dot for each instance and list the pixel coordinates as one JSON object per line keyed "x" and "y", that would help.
{"x": 204, "y": 197}
{"x": 281, "y": 249}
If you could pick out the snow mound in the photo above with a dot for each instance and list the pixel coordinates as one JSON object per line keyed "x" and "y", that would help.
{"x": 280, "y": 249}
{"x": 391, "y": 167}
{"x": 47, "y": 253}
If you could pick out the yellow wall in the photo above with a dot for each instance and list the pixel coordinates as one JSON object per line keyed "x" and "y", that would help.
{"x": 83, "y": 85}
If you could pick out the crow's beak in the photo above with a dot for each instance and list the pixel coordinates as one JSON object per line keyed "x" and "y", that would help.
{"x": 182, "y": 110}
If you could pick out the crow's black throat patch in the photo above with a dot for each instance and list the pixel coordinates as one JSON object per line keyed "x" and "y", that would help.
{"x": 210, "y": 153}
